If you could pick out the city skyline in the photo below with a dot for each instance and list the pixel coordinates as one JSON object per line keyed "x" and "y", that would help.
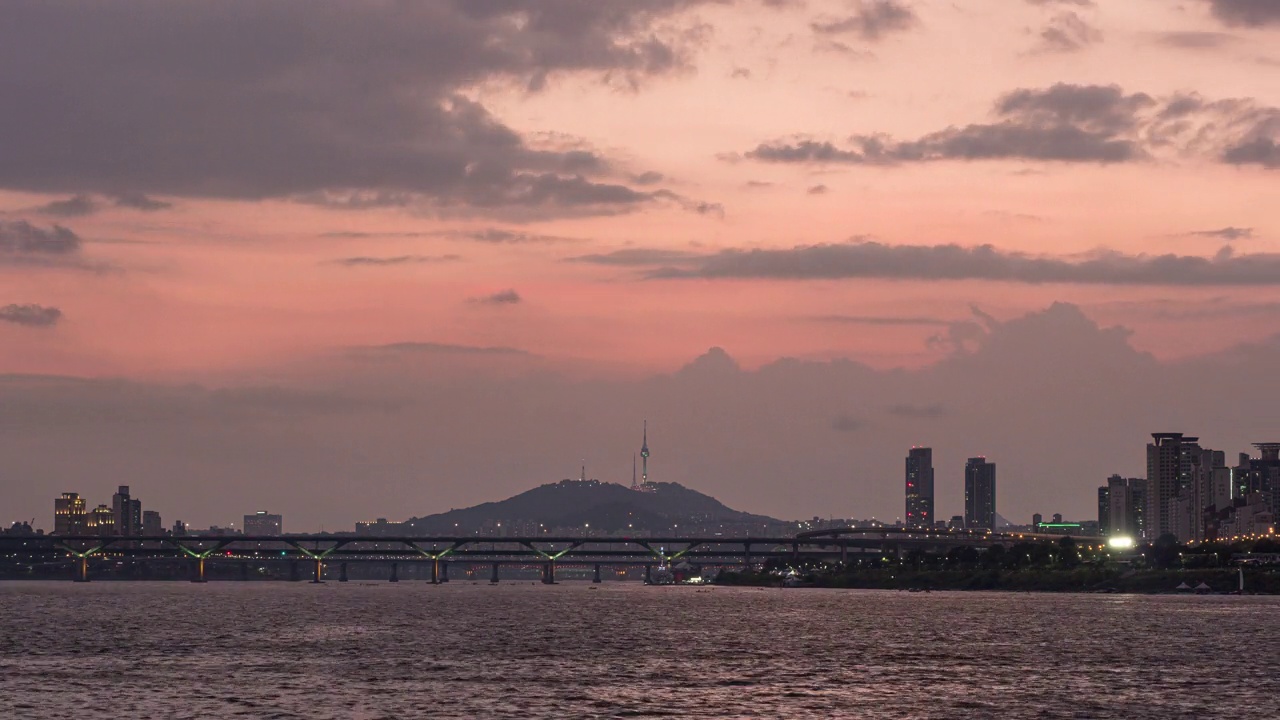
{"x": 1188, "y": 492}
{"x": 422, "y": 255}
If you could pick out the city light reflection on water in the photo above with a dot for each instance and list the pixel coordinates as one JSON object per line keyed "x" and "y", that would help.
{"x": 282, "y": 650}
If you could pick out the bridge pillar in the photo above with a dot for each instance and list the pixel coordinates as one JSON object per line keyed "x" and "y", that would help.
{"x": 244, "y": 570}
{"x": 844, "y": 553}
{"x": 82, "y": 570}
{"x": 342, "y": 572}
{"x": 444, "y": 571}
{"x": 293, "y": 571}
{"x": 435, "y": 572}
{"x": 549, "y": 573}
{"x": 648, "y": 574}
{"x": 746, "y": 559}
{"x": 395, "y": 577}
{"x": 596, "y": 578}
{"x": 493, "y": 579}
{"x": 319, "y": 577}
{"x": 199, "y": 571}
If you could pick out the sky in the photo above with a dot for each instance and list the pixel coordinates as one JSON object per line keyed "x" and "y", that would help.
{"x": 345, "y": 261}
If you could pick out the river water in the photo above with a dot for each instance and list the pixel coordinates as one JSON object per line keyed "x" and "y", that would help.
{"x": 411, "y": 650}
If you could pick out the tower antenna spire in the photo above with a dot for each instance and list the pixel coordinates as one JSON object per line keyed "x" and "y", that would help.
{"x": 644, "y": 457}
{"x": 634, "y": 484}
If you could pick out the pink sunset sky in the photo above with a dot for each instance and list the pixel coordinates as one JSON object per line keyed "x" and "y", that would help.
{"x": 576, "y": 198}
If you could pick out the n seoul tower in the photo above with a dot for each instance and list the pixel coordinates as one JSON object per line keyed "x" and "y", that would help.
{"x": 644, "y": 457}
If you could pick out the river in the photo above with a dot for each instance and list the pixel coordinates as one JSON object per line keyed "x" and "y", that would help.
{"x": 412, "y": 650}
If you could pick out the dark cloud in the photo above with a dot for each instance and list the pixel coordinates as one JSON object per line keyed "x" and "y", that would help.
{"x": 36, "y": 316}
{"x": 1083, "y": 3}
{"x": 638, "y": 257}
{"x": 1193, "y": 40}
{"x": 872, "y": 21}
{"x": 648, "y": 178}
{"x": 1247, "y": 13}
{"x": 498, "y": 236}
{"x": 818, "y": 190}
{"x": 355, "y": 107}
{"x": 505, "y": 297}
{"x": 75, "y": 206}
{"x": 397, "y": 260}
{"x": 19, "y": 239}
{"x": 1226, "y": 233}
{"x": 1067, "y": 123}
{"x": 1068, "y": 32}
{"x": 953, "y": 262}
{"x": 1258, "y": 151}
{"x": 138, "y": 201}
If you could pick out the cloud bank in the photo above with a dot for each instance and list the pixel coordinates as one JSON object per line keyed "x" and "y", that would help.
{"x": 1068, "y": 123}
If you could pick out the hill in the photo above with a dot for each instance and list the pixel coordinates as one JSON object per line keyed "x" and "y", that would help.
{"x": 605, "y": 507}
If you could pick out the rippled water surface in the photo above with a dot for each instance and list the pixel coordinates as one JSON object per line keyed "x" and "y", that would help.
{"x": 411, "y": 650}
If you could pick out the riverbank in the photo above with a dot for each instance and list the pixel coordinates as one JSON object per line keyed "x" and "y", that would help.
{"x": 1088, "y": 580}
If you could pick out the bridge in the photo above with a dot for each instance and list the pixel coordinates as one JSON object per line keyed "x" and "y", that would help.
{"x": 438, "y": 552}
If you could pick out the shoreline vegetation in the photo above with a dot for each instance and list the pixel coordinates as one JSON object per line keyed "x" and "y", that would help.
{"x": 1062, "y": 566}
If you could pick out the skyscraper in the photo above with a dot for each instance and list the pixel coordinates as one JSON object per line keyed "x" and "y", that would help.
{"x": 919, "y": 487}
{"x": 979, "y": 494}
{"x": 101, "y": 521}
{"x": 127, "y": 513}
{"x": 1175, "y": 465}
{"x": 151, "y": 524}
{"x": 1121, "y": 506}
{"x": 69, "y": 516}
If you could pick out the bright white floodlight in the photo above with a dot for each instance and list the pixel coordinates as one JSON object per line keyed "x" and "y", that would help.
{"x": 1120, "y": 542}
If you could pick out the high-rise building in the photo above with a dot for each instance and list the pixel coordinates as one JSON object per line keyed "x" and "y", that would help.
{"x": 979, "y": 494}
{"x": 127, "y": 512}
{"x": 1181, "y": 486}
{"x": 1104, "y": 508}
{"x": 919, "y": 487}
{"x": 1169, "y": 473}
{"x": 263, "y": 523}
{"x": 151, "y": 524}
{"x": 101, "y": 521}
{"x": 1121, "y": 504}
{"x": 69, "y": 516}
{"x": 1259, "y": 475}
